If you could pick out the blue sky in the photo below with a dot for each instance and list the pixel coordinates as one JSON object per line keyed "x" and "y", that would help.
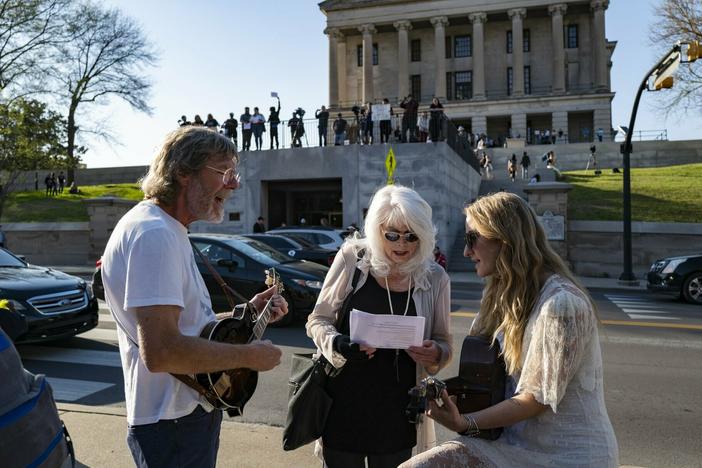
{"x": 218, "y": 56}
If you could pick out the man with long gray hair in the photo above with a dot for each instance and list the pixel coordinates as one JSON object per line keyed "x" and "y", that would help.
{"x": 160, "y": 302}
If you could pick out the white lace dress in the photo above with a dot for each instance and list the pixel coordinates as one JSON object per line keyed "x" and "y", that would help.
{"x": 562, "y": 368}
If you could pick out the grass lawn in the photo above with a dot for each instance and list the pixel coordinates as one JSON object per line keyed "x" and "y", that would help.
{"x": 34, "y": 206}
{"x": 662, "y": 194}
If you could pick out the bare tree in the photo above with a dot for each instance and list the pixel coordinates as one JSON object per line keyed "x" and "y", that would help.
{"x": 104, "y": 57}
{"x": 27, "y": 30}
{"x": 680, "y": 20}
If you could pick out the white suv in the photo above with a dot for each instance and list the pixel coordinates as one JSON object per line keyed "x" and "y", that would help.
{"x": 326, "y": 237}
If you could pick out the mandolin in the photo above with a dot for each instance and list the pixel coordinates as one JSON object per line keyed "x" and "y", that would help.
{"x": 230, "y": 390}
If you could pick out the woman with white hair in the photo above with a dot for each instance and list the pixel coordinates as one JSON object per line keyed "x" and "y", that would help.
{"x": 397, "y": 276}
{"x": 544, "y": 321}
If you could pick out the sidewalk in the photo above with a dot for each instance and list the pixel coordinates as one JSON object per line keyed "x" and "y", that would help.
{"x": 99, "y": 438}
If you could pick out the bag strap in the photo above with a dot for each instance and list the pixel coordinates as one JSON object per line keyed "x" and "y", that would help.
{"x": 347, "y": 301}
{"x": 230, "y": 293}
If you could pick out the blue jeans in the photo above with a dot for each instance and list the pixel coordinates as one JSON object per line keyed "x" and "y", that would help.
{"x": 190, "y": 441}
{"x": 339, "y": 139}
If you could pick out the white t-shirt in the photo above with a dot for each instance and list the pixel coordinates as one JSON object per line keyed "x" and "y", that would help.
{"x": 149, "y": 261}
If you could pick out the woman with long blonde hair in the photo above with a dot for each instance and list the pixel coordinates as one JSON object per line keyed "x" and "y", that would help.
{"x": 546, "y": 326}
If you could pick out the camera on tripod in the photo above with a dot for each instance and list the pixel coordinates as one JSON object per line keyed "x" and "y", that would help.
{"x": 356, "y": 110}
{"x": 429, "y": 389}
{"x": 300, "y": 112}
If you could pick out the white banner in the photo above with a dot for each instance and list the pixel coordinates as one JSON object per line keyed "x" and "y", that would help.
{"x": 380, "y": 112}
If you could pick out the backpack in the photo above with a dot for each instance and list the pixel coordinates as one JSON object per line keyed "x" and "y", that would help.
{"x": 31, "y": 431}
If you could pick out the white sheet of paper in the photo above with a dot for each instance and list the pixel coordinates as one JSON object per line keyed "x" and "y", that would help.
{"x": 386, "y": 331}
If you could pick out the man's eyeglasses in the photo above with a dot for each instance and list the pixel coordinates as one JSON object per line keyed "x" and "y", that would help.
{"x": 395, "y": 236}
{"x": 471, "y": 239}
{"x": 230, "y": 178}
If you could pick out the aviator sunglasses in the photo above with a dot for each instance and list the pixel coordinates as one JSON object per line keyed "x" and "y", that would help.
{"x": 229, "y": 177}
{"x": 472, "y": 238}
{"x": 395, "y": 236}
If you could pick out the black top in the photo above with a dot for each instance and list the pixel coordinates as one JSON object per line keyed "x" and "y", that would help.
{"x": 370, "y": 397}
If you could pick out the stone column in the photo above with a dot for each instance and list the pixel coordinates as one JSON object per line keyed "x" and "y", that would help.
{"x": 557, "y": 11}
{"x": 341, "y": 69}
{"x": 479, "y": 124}
{"x": 550, "y": 201}
{"x": 478, "y": 19}
{"x": 440, "y": 23}
{"x": 517, "y": 15}
{"x": 519, "y": 126}
{"x": 403, "y": 27}
{"x": 333, "y": 67}
{"x": 599, "y": 46}
{"x": 559, "y": 121}
{"x": 602, "y": 118}
{"x": 367, "y": 30}
{"x": 104, "y": 213}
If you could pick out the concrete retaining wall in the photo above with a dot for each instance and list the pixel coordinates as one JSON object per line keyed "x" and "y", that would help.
{"x": 595, "y": 247}
{"x": 50, "y": 243}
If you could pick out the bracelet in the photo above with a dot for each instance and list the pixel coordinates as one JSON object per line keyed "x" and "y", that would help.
{"x": 472, "y": 430}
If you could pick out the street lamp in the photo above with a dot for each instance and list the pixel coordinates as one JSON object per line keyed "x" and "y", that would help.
{"x": 659, "y": 77}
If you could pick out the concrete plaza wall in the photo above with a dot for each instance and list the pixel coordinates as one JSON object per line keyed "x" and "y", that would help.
{"x": 50, "y": 243}
{"x": 595, "y": 247}
{"x": 440, "y": 176}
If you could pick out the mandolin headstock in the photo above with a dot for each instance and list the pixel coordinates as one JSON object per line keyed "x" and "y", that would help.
{"x": 273, "y": 278}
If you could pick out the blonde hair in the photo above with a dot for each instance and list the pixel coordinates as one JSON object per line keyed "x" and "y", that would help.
{"x": 525, "y": 258}
{"x": 184, "y": 151}
{"x": 395, "y": 205}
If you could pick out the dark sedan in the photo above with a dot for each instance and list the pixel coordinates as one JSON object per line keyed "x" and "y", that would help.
{"x": 681, "y": 276}
{"x": 296, "y": 247}
{"x": 45, "y": 304}
{"x": 241, "y": 263}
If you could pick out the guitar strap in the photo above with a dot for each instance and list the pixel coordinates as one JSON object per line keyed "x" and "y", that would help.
{"x": 230, "y": 293}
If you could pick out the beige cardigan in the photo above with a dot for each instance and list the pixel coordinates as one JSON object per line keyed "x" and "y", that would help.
{"x": 432, "y": 300}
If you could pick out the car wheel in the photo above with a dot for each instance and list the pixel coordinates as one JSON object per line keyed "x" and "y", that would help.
{"x": 289, "y": 318}
{"x": 692, "y": 288}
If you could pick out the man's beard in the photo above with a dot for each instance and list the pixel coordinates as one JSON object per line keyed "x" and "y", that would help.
{"x": 203, "y": 205}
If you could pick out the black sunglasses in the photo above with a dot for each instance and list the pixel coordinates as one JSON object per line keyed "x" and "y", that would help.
{"x": 395, "y": 236}
{"x": 472, "y": 238}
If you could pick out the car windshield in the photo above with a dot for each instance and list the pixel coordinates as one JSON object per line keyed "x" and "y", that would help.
{"x": 300, "y": 240}
{"x": 259, "y": 251}
{"x": 7, "y": 260}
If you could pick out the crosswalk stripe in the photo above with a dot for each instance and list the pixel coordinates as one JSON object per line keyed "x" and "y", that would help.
{"x": 106, "y": 317}
{"x": 70, "y": 355}
{"x": 100, "y": 334}
{"x": 654, "y": 317}
{"x": 73, "y": 390}
{"x": 645, "y": 311}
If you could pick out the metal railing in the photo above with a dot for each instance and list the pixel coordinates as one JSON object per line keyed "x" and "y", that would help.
{"x": 460, "y": 143}
{"x": 644, "y": 135}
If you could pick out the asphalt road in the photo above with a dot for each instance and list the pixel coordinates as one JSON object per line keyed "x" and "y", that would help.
{"x": 653, "y": 372}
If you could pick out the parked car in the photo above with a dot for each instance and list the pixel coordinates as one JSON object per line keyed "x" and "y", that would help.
{"x": 681, "y": 276}
{"x": 322, "y": 236}
{"x": 241, "y": 262}
{"x": 296, "y": 247}
{"x": 52, "y": 304}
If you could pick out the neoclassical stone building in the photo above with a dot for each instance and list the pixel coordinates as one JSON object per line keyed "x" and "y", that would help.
{"x": 499, "y": 67}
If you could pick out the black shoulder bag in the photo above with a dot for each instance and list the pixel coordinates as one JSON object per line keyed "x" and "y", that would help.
{"x": 308, "y": 400}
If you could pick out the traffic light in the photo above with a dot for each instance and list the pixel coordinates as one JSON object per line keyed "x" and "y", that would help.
{"x": 691, "y": 51}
